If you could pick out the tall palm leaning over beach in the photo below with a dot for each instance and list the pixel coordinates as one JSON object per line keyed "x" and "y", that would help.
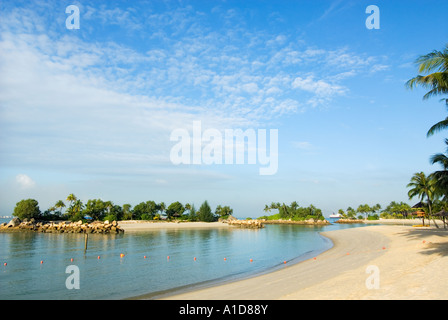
{"x": 435, "y": 65}
{"x": 441, "y": 176}
{"x": 423, "y": 187}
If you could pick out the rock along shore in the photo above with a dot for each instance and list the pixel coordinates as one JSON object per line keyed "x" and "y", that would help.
{"x": 248, "y": 224}
{"x": 310, "y": 222}
{"x": 99, "y": 227}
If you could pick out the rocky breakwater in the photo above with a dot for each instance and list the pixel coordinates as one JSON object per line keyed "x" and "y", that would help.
{"x": 342, "y": 221}
{"x": 99, "y": 227}
{"x": 301, "y": 222}
{"x": 248, "y": 224}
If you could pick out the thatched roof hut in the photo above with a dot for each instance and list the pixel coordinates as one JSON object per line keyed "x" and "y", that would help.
{"x": 418, "y": 205}
{"x": 442, "y": 213}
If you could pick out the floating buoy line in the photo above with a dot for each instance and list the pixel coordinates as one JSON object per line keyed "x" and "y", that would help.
{"x": 251, "y": 260}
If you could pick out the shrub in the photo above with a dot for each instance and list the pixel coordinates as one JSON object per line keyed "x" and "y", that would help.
{"x": 27, "y": 209}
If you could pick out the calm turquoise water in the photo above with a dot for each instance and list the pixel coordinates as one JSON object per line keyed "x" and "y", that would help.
{"x": 112, "y": 277}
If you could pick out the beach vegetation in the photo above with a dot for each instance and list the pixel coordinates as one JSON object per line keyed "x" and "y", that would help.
{"x": 192, "y": 214}
{"x": 223, "y": 212}
{"x": 144, "y": 210}
{"x": 127, "y": 212}
{"x": 423, "y": 187}
{"x": 433, "y": 187}
{"x": 175, "y": 210}
{"x": 440, "y": 177}
{"x": 435, "y": 66}
{"x": 205, "y": 213}
{"x": 293, "y": 212}
{"x": 100, "y": 210}
{"x": 27, "y": 209}
{"x": 397, "y": 210}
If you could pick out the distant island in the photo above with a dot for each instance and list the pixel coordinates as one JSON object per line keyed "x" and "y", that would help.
{"x": 99, "y": 210}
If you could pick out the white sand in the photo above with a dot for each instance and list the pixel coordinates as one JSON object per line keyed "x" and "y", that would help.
{"x": 412, "y": 264}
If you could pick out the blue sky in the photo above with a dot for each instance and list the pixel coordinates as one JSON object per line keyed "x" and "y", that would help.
{"x": 90, "y": 111}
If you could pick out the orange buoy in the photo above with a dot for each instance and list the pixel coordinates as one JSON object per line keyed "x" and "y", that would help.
{"x": 284, "y": 262}
{"x": 144, "y": 257}
{"x": 251, "y": 260}
{"x": 71, "y": 259}
{"x": 194, "y": 258}
{"x": 384, "y": 248}
{"x": 98, "y": 257}
{"x": 41, "y": 262}
{"x": 121, "y": 255}
{"x": 5, "y": 264}
{"x": 314, "y": 258}
{"x": 168, "y": 258}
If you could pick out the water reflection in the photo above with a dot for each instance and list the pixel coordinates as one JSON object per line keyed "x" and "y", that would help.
{"x": 114, "y": 277}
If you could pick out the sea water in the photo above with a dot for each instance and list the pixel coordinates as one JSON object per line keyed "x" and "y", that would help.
{"x": 147, "y": 262}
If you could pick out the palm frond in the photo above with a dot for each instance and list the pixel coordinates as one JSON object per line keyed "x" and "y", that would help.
{"x": 441, "y": 159}
{"x": 432, "y": 61}
{"x": 441, "y": 125}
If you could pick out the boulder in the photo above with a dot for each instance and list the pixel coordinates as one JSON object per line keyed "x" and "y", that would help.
{"x": 15, "y": 222}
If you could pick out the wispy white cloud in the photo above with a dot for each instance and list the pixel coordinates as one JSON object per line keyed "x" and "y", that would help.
{"x": 24, "y": 181}
{"x": 323, "y": 91}
{"x": 68, "y": 100}
{"x": 304, "y": 145}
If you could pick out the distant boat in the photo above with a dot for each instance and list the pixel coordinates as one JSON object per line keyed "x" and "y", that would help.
{"x": 335, "y": 215}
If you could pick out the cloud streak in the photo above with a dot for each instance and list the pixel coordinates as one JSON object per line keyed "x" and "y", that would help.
{"x": 75, "y": 100}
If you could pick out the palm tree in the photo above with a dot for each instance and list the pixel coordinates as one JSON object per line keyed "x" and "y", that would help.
{"x": 60, "y": 204}
{"x": 72, "y": 198}
{"x": 435, "y": 64}
{"x": 423, "y": 187}
{"x": 441, "y": 176}
{"x": 162, "y": 207}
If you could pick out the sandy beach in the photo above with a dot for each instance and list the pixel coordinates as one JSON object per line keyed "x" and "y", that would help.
{"x": 408, "y": 263}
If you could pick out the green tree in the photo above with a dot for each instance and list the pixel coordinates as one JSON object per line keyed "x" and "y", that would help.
{"x": 364, "y": 208}
{"x": 205, "y": 213}
{"x": 127, "y": 212}
{"x": 162, "y": 207}
{"x": 192, "y": 215}
{"x": 398, "y": 209}
{"x": 351, "y": 213}
{"x": 60, "y": 204}
{"x": 175, "y": 210}
{"x": 27, "y": 209}
{"x": 267, "y": 208}
{"x": 223, "y": 212}
{"x": 423, "y": 187}
{"x": 145, "y": 210}
{"x": 96, "y": 208}
{"x": 74, "y": 210}
{"x": 114, "y": 213}
{"x": 441, "y": 176}
{"x": 71, "y": 198}
{"x": 435, "y": 65}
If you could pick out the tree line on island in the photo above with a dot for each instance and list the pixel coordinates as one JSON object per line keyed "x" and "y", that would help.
{"x": 97, "y": 209}
{"x": 395, "y": 210}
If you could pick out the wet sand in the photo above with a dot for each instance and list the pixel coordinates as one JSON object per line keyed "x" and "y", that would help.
{"x": 409, "y": 263}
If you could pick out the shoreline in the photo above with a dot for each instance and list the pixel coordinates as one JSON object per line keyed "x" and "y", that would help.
{"x": 136, "y": 225}
{"x": 410, "y": 262}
